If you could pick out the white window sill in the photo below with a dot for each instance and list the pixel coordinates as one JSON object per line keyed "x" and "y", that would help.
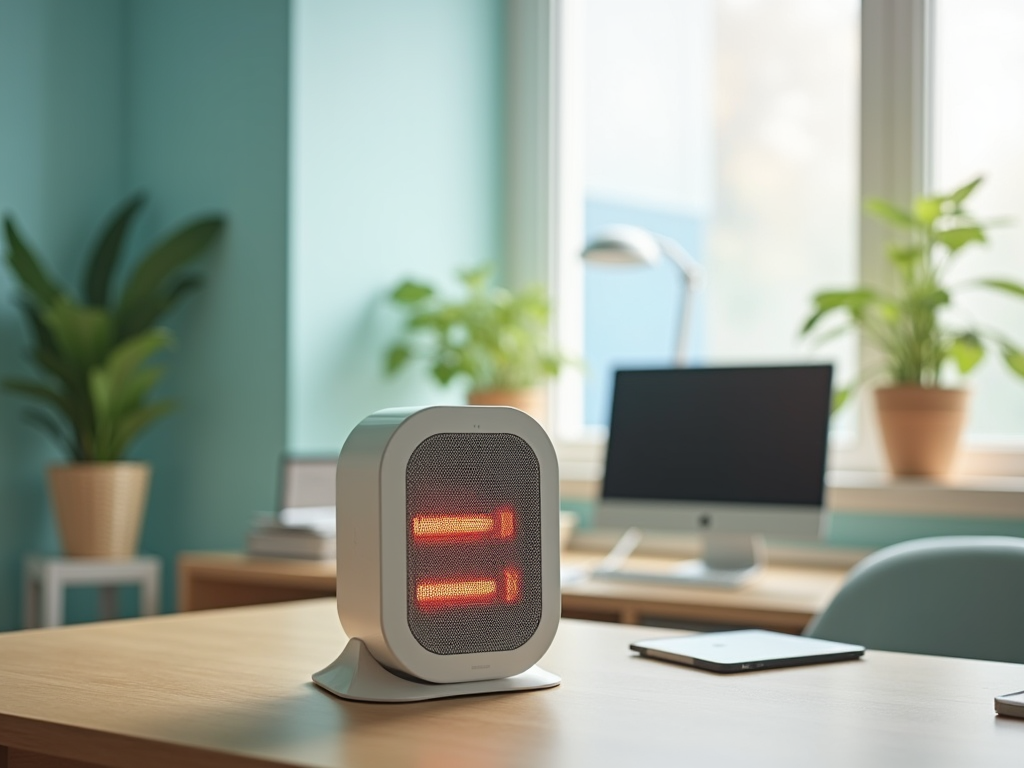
{"x": 871, "y": 493}
{"x": 876, "y": 493}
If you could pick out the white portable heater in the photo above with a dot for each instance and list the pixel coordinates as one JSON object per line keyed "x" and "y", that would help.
{"x": 448, "y": 557}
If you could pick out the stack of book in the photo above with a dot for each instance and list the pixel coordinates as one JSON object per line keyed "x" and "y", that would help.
{"x": 269, "y": 537}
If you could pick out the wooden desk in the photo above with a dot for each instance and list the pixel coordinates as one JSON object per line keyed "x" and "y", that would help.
{"x": 783, "y": 598}
{"x": 231, "y": 688}
{"x": 229, "y": 579}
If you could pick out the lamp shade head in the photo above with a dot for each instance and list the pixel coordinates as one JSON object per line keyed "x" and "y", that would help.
{"x": 623, "y": 244}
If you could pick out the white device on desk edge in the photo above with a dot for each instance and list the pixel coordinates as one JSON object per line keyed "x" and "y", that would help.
{"x": 269, "y": 538}
{"x": 745, "y": 650}
{"x": 448, "y": 554}
{"x": 1011, "y": 704}
{"x": 305, "y": 495}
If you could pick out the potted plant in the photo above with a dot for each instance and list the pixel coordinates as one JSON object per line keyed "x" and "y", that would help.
{"x": 918, "y": 335}
{"x": 94, "y": 389}
{"x": 493, "y": 338}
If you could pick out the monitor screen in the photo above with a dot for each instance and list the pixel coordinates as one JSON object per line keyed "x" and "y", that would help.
{"x": 731, "y": 435}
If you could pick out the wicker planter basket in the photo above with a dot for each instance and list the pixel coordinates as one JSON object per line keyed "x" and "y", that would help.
{"x": 100, "y": 506}
{"x": 530, "y": 401}
{"x": 921, "y": 427}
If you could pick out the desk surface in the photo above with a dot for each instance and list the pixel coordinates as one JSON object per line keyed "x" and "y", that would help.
{"x": 231, "y": 688}
{"x": 781, "y": 597}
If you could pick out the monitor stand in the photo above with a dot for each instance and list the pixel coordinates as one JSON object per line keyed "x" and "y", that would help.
{"x": 729, "y": 561}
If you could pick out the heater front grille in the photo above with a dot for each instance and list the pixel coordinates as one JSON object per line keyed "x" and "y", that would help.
{"x": 473, "y": 542}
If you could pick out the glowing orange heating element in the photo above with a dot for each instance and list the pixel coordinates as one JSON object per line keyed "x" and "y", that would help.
{"x": 513, "y": 584}
{"x": 506, "y": 522}
{"x": 451, "y": 592}
{"x": 449, "y": 526}
{"x": 456, "y": 592}
{"x": 501, "y": 524}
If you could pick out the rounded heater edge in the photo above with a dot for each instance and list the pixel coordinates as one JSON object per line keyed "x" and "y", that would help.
{"x": 447, "y": 529}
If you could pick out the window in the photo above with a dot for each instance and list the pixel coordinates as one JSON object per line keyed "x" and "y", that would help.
{"x": 749, "y": 131}
{"x": 731, "y": 127}
{"x": 978, "y": 121}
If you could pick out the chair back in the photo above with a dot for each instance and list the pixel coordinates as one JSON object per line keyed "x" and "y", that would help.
{"x": 944, "y": 596}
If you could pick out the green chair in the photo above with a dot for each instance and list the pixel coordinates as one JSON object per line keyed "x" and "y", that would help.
{"x": 943, "y": 596}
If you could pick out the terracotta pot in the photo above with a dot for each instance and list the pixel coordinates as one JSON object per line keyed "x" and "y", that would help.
{"x": 100, "y": 506}
{"x": 530, "y": 401}
{"x": 921, "y": 427}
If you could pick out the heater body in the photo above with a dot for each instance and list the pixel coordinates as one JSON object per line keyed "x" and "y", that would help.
{"x": 447, "y": 530}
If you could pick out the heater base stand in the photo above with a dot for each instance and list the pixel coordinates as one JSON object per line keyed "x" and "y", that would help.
{"x": 355, "y": 674}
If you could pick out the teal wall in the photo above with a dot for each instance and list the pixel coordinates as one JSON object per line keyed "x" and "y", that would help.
{"x": 349, "y": 144}
{"x": 187, "y": 100}
{"x": 396, "y": 172}
{"x": 207, "y": 128}
{"x": 61, "y": 169}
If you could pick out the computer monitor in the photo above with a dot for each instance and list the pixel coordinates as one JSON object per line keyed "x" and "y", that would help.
{"x": 731, "y": 453}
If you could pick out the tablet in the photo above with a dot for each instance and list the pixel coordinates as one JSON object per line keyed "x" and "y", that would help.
{"x": 743, "y": 650}
{"x": 1011, "y": 704}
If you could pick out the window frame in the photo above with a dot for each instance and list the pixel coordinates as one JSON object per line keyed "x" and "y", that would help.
{"x": 544, "y": 197}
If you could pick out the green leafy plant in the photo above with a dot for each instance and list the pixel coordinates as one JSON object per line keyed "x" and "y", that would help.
{"x": 492, "y": 337}
{"x": 912, "y": 323}
{"x": 94, "y": 353}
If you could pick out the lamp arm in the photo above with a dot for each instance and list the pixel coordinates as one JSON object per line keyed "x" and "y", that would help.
{"x": 693, "y": 277}
{"x": 691, "y": 269}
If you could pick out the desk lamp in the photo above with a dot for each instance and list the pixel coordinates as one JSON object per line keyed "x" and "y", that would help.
{"x": 448, "y": 557}
{"x": 623, "y": 244}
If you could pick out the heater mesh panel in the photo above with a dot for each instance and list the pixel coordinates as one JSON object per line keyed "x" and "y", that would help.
{"x": 478, "y": 588}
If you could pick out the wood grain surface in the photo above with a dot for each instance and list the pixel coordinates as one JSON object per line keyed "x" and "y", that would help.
{"x": 781, "y": 597}
{"x": 232, "y": 688}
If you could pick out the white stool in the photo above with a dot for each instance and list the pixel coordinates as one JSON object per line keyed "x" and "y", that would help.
{"x": 46, "y": 579}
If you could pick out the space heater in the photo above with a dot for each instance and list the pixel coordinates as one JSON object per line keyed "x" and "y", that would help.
{"x": 448, "y": 557}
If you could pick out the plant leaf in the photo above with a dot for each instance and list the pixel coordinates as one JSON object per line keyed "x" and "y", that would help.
{"x": 128, "y": 429}
{"x": 1004, "y": 285}
{"x": 889, "y": 212}
{"x": 444, "y": 372}
{"x": 411, "y": 292}
{"x": 45, "y": 422}
{"x": 148, "y": 313}
{"x": 489, "y": 336}
{"x": 106, "y": 253}
{"x": 927, "y": 209}
{"x": 398, "y": 355}
{"x": 961, "y": 194}
{"x": 126, "y": 358}
{"x": 957, "y": 238}
{"x": 1014, "y": 358}
{"x": 476, "y": 278}
{"x": 55, "y": 364}
{"x": 855, "y": 298}
{"x": 855, "y": 301}
{"x": 904, "y": 255}
{"x": 134, "y": 389}
{"x": 27, "y": 267}
{"x": 38, "y": 391}
{"x": 839, "y": 398}
{"x": 967, "y": 351}
{"x": 124, "y": 382}
{"x": 100, "y": 393}
{"x": 41, "y": 334}
{"x": 181, "y": 248}
{"x": 82, "y": 335}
